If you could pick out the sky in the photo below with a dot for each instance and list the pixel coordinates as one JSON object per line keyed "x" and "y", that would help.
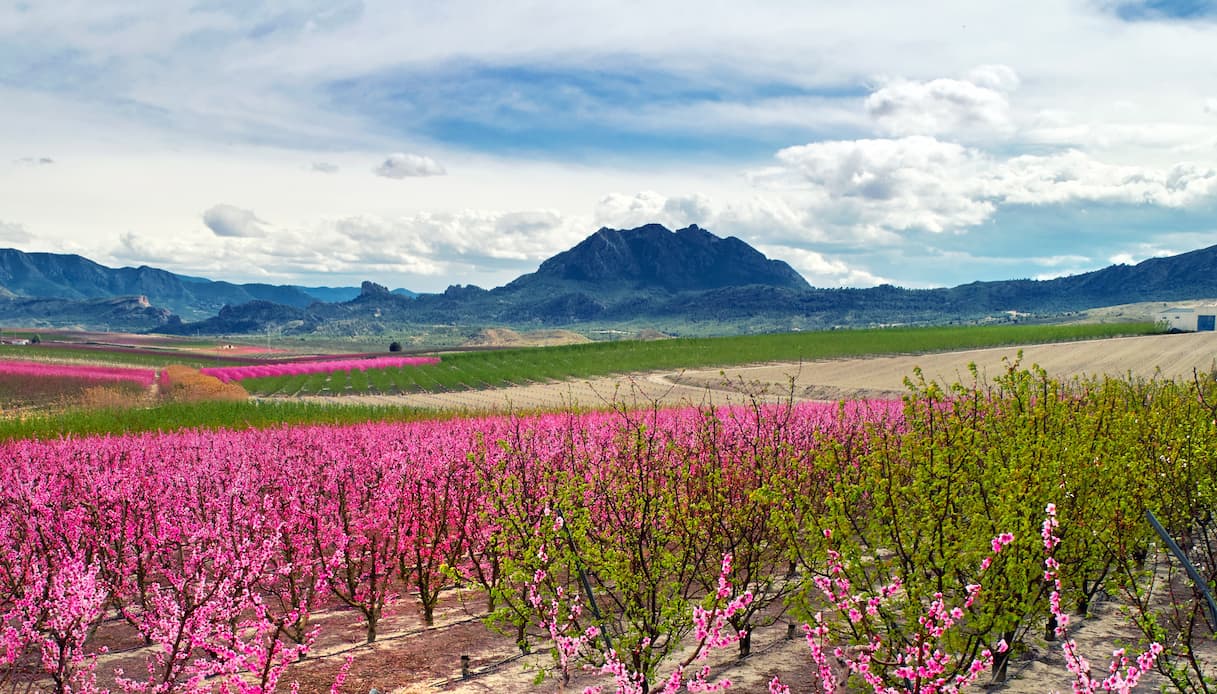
{"x": 424, "y": 144}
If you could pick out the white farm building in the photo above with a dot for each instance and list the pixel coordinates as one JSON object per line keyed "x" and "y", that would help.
{"x": 1199, "y": 319}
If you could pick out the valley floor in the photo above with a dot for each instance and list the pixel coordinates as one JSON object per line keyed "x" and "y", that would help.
{"x": 1165, "y": 356}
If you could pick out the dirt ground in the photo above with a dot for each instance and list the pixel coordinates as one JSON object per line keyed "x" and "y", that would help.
{"x": 411, "y": 659}
{"x": 1169, "y": 356}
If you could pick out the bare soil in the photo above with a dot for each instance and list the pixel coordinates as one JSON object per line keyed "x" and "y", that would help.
{"x": 411, "y": 659}
{"x": 506, "y": 337}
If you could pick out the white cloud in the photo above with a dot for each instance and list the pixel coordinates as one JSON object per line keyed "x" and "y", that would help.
{"x": 910, "y": 183}
{"x": 401, "y": 165}
{"x": 821, "y": 270}
{"x": 136, "y": 249}
{"x": 233, "y": 222}
{"x": 1001, "y": 78}
{"x": 1060, "y": 260}
{"x": 462, "y": 235}
{"x": 417, "y": 250}
{"x": 324, "y": 167}
{"x": 1210, "y": 106}
{"x": 34, "y": 161}
{"x": 977, "y": 106}
{"x": 1141, "y": 252}
{"x": 621, "y": 211}
{"x": 11, "y": 232}
{"x": 867, "y": 189}
{"x": 1075, "y": 176}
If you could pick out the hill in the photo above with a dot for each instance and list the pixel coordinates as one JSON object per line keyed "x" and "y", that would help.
{"x": 653, "y": 258}
{"x": 73, "y": 278}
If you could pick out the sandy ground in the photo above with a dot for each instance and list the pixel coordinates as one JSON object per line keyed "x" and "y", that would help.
{"x": 1165, "y": 355}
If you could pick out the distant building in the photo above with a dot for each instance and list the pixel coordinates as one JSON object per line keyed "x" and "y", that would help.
{"x": 1202, "y": 319}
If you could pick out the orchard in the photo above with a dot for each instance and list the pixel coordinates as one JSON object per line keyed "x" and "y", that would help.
{"x": 908, "y": 536}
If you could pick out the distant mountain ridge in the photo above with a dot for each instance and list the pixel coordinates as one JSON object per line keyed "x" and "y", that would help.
{"x": 646, "y": 276}
{"x": 76, "y": 278}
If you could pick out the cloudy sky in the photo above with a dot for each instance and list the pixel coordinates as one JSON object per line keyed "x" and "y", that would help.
{"x": 421, "y": 144}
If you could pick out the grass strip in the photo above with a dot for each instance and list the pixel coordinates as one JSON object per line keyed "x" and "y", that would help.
{"x": 251, "y": 414}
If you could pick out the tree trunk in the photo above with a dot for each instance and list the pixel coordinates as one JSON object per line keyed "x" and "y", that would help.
{"x": 1001, "y": 661}
{"x": 745, "y": 642}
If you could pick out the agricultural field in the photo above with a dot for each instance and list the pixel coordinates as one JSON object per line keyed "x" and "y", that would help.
{"x": 496, "y": 369}
{"x": 244, "y": 545}
{"x": 32, "y": 384}
{"x": 139, "y": 552}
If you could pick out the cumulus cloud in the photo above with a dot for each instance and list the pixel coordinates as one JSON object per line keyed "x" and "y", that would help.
{"x": 825, "y": 206}
{"x": 977, "y": 105}
{"x": 401, "y": 165}
{"x": 512, "y": 238}
{"x": 422, "y": 251}
{"x": 11, "y": 232}
{"x": 872, "y": 189}
{"x": 233, "y": 222}
{"x": 821, "y": 270}
{"x": 622, "y": 211}
{"x": 910, "y": 183}
{"x": 35, "y": 161}
{"x": 1076, "y": 176}
{"x": 324, "y": 167}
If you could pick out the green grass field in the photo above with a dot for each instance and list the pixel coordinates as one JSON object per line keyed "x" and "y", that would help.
{"x": 473, "y": 370}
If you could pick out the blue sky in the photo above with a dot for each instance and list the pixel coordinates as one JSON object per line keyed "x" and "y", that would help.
{"x": 428, "y": 144}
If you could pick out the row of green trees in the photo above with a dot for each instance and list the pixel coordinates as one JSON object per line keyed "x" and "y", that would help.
{"x": 916, "y": 496}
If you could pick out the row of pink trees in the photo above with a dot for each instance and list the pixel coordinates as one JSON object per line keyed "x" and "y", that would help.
{"x": 33, "y": 369}
{"x": 298, "y": 368}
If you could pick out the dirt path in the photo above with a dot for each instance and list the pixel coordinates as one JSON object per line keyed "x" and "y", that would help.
{"x": 1170, "y": 356}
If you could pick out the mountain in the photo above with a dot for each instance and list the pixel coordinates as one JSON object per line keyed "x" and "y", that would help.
{"x": 653, "y": 258}
{"x": 75, "y": 278}
{"x": 649, "y": 276}
{"x": 126, "y": 314}
{"x": 690, "y": 277}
